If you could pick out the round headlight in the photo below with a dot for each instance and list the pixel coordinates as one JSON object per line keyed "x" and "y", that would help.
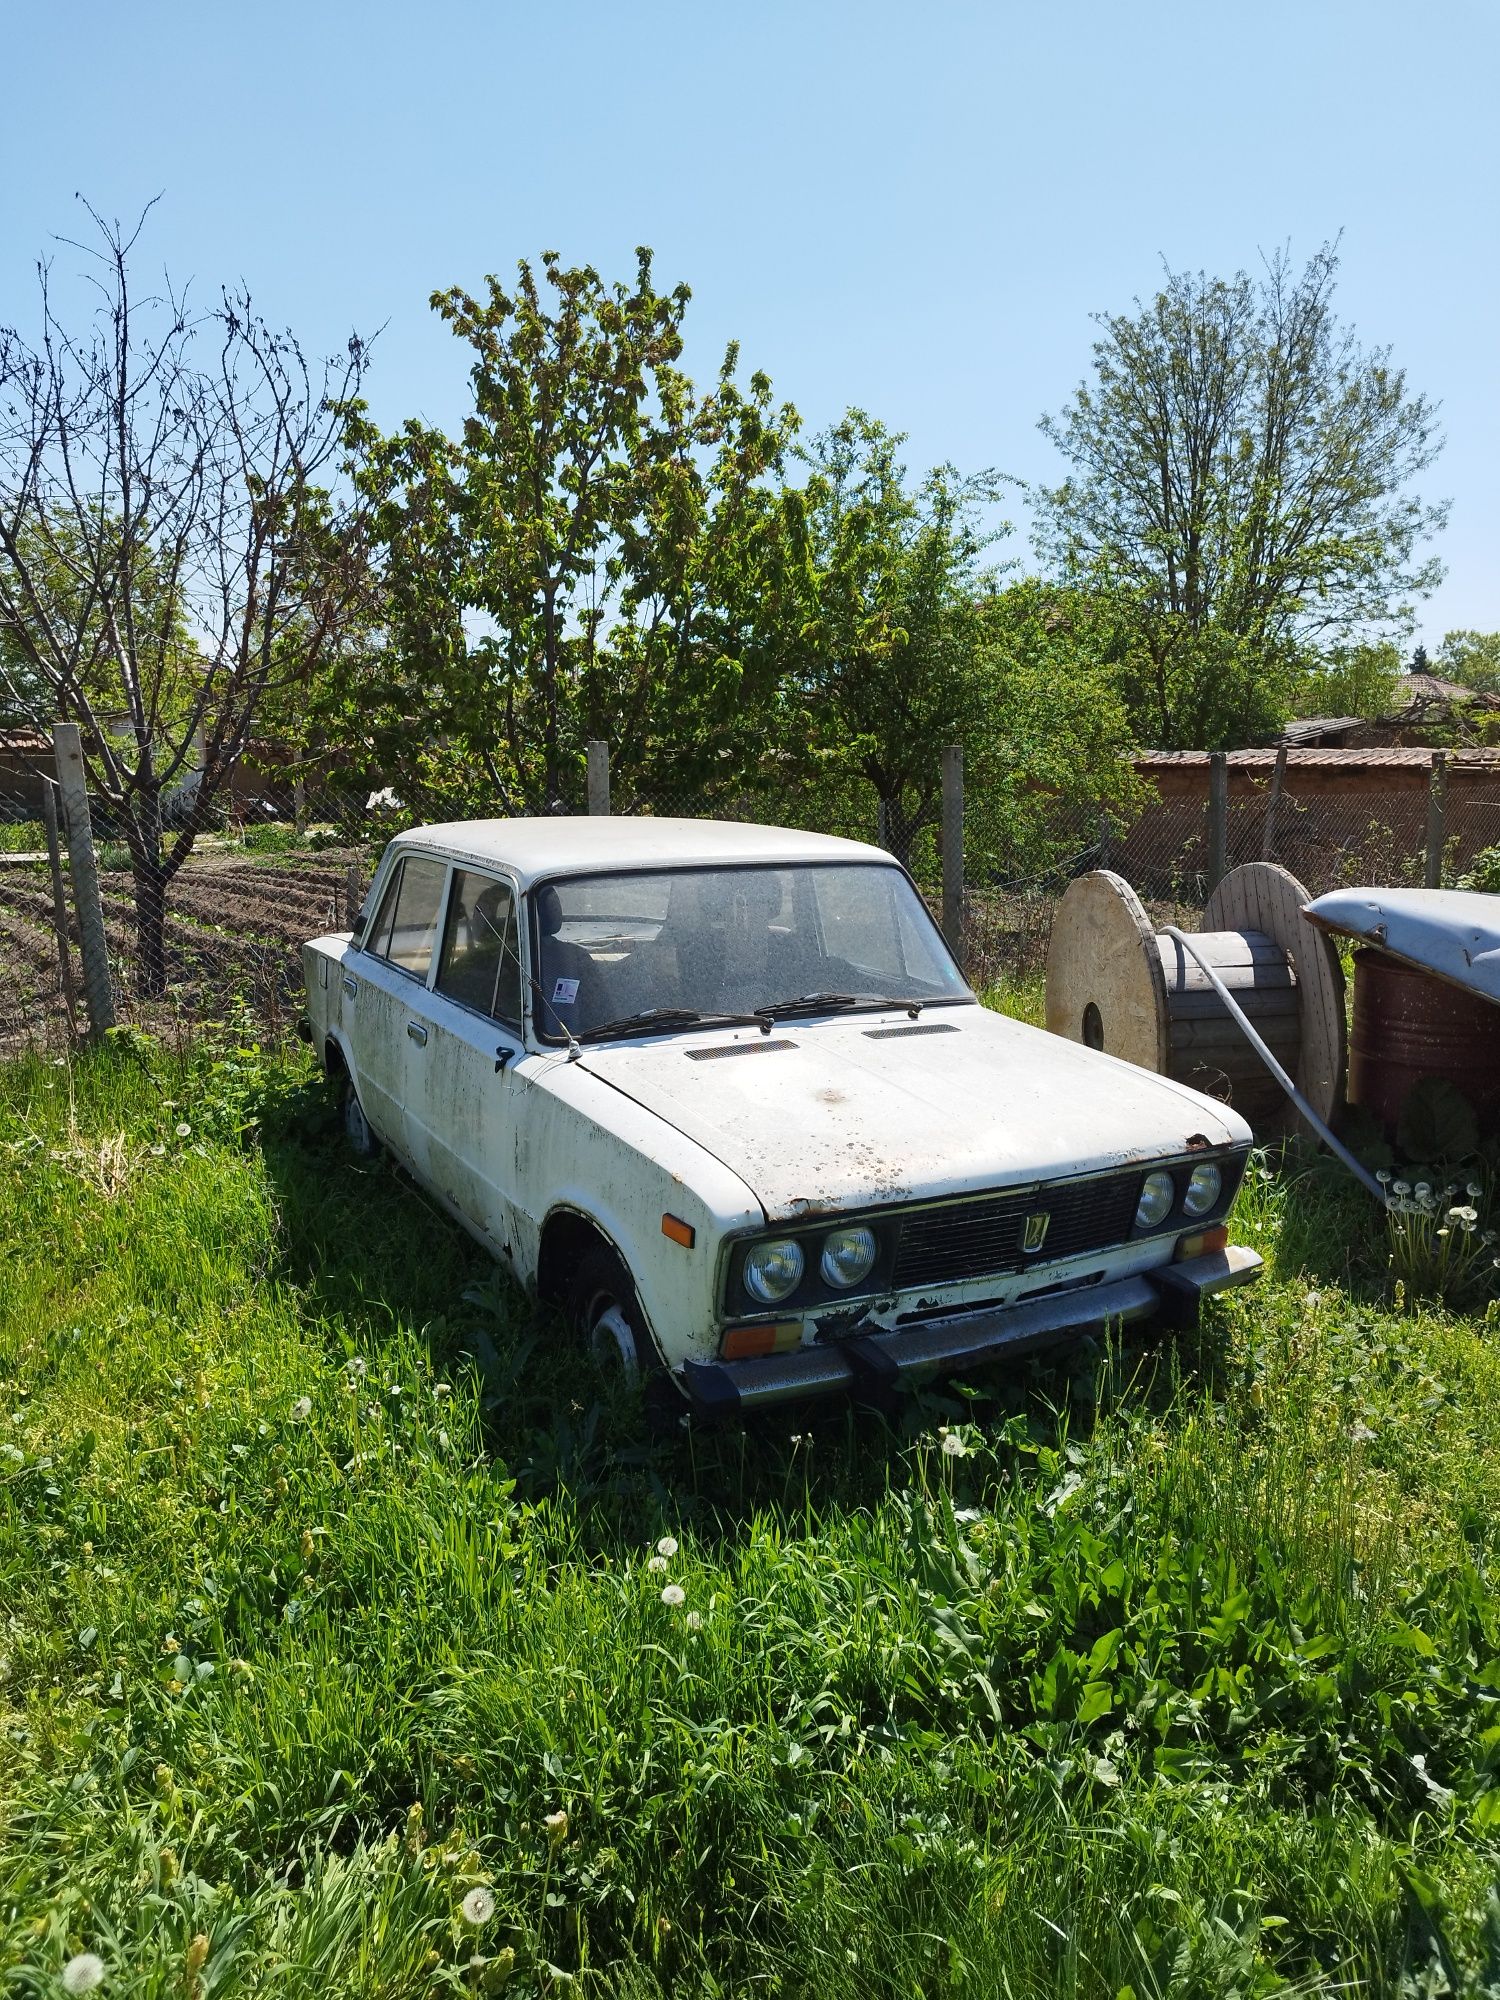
{"x": 1155, "y": 1204}
{"x": 1203, "y": 1188}
{"x": 848, "y": 1256}
{"x": 773, "y": 1271}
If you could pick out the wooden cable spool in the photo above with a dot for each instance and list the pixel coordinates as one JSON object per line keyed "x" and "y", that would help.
{"x": 1114, "y": 984}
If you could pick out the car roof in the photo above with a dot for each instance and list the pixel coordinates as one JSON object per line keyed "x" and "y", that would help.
{"x": 575, "y": 844}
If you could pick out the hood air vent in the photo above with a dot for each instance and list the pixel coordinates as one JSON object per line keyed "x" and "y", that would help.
{"x": 916, "y": 1028}
{"x": 759, "y": 1047}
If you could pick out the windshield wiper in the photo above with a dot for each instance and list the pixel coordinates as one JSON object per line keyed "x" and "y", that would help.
{"x": 833, "y": 1003}
{"x": 666, "y": 1017}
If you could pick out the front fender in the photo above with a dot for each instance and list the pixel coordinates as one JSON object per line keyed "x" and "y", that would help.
{"x": 583, "y": 1146}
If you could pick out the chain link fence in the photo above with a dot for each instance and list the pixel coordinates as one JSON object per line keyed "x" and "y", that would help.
{"x": 286, "y": 860}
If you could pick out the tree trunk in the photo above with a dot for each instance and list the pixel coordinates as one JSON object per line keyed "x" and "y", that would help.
{"x": 151, "y": 928}
{"x": 143, "y": 834}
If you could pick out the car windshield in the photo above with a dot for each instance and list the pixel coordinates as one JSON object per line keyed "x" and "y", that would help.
{"x": 717, "y": 941}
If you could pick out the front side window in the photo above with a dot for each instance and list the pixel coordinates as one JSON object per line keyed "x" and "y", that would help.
{"x": 406, "y": 928}
{"x": 480, "y": 966}
{"x": 731, "y": 940}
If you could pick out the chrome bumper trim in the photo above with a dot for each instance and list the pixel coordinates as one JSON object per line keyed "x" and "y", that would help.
{"x": 917, "y": 1353}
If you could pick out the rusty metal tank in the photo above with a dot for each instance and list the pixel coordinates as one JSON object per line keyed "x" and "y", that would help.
{"x": 1408, "y": 1025}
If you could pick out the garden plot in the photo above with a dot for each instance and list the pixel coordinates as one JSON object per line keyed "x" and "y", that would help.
{"x": 234, "y": 931}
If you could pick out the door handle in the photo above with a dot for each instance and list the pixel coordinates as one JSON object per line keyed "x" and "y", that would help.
{"x": 503, "y": 1056}
{"x": 417, "y": 1032}
{"x": 351, "y": 986}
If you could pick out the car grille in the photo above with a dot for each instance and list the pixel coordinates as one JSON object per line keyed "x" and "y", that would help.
{"x": 974, "y": 1239}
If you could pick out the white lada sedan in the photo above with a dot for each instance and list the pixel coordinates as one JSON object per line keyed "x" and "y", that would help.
{"x": 721, "y": 1093}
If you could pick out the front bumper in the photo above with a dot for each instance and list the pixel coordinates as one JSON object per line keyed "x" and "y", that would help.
{"x": 873, "y": 1362}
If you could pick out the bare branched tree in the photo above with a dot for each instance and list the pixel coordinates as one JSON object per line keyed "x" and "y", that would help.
{"x": 177, "y": 545}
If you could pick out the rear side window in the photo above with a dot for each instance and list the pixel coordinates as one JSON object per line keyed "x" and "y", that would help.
{"x": 406, "y": 928}
{"x": 480, "y": 965}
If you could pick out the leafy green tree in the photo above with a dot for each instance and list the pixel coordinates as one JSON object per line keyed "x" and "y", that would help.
{"x": 1240, "y": 468}
{"x": 1472, "y": 658}
{"x": 580, "y": 560}
{"x": 1362, "y": 680}
{"x": 871, "y": 620}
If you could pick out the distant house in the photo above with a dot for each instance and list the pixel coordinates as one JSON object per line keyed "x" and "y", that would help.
{"x": 26, "y": 761}
{"x": 1344, "y": 814}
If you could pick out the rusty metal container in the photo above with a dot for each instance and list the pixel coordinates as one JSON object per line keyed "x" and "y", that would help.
{"x": 1408, "y": 1025}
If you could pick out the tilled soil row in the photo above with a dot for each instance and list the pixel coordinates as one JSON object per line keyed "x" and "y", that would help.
{"x": 258, "y": 916}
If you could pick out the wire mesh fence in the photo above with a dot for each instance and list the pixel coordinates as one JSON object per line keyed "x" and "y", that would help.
{"x": 284, "y": 860}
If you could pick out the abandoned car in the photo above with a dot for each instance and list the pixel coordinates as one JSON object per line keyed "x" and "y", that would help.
{"x": 722, "y": 1093}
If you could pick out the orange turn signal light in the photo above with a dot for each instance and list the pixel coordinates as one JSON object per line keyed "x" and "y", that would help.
{"x": 679, "y": 1231}
{"x": 1206, "y": 1240}
{"x": 743, "y": 1343}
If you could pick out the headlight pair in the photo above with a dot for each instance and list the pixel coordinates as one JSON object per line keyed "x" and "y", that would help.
{"x": 773, "y": 1271}
{"x": 1159, "y": 1194}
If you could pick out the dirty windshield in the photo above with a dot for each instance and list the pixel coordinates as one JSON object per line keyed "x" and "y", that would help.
{"x": 714, "y": 941}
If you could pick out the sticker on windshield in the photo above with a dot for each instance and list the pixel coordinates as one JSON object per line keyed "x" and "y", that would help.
{"x": 565, "y": 992}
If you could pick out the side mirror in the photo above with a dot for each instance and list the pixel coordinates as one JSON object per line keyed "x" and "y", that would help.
{"x": 357, "y": 928}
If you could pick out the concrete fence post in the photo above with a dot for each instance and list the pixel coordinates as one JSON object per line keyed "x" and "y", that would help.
{"x": 1218, "y": 818}
{"x": 72, "y": 781}
{"x": 1437, "y": 809}
{"x": 598, "y": 776}
{"x": 1273, "y": 803}
{"x": 953, "y": 850}
{"x": 59, "y": 904}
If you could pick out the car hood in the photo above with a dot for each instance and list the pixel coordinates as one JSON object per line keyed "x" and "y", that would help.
{"x": 870, "y": 1108}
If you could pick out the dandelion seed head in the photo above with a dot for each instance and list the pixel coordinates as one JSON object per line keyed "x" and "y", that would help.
{"x": 302, "y": 1409}
{"x": 954, "y": 1446}
{"x": 478, "y": 1907}
{"x": 667, "y": 1546}
{"x": 556, "y": 1824}
{"x": 83, "y": 1972}
{"x": 674, "y": 1595}
{"x": 695, "y": 1621}
{"x": 656, "y": 1563}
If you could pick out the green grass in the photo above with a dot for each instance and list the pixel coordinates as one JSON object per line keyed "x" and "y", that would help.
{"x": 324, "y": 1582}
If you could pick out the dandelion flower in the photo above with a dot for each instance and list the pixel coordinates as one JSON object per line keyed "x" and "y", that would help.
{"x": 695, "y": 1621}
{"x": 442, "y": 1390}
{"x": 184, "y": 1130}
{"x": 667, "y": 1546}
{"x": 557, "y": 1828}
{"x": 83, "y": 1973}
{"x": 954, "y": 1446}
{"x": 1473, "y": 1190}
{"x": 478, "y": 1907}
{"x": 302, "y": 1409}
{"x": 1400, "y": 1187}
{"x": 657, "y": 1564}
{"x": 674, "y": 1594}
{"x": 354, "y": 1366}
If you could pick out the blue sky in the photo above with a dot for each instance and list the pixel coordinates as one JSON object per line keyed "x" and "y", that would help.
{"x": 910, "y": 208}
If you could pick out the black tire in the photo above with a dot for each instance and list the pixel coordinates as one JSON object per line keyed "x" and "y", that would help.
{"x": 358, "y": 1136}
{"x": 602, "y": 1310}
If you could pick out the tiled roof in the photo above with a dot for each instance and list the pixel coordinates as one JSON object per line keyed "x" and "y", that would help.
{"x": 1303, "y": 760}
{"x": 25, "y": 741}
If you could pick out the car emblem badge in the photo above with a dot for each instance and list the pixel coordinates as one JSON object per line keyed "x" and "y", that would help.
{"x": 1035, "y": 1233}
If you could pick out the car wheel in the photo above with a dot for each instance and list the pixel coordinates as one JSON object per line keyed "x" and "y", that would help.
{"x": 603, "y": 1313}
{"x": 602, "y": 1310}
{"x": 361, "y": 1140}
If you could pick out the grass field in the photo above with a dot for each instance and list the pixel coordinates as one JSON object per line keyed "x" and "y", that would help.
{"x": 336, "y": 1658}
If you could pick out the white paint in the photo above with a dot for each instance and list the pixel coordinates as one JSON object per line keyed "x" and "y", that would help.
{"x": 509, "y": 1133}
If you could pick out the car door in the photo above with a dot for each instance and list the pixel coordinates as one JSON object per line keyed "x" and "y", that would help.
{"x": 461, "y": 1125}
{"x": 387, "y": 1013}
